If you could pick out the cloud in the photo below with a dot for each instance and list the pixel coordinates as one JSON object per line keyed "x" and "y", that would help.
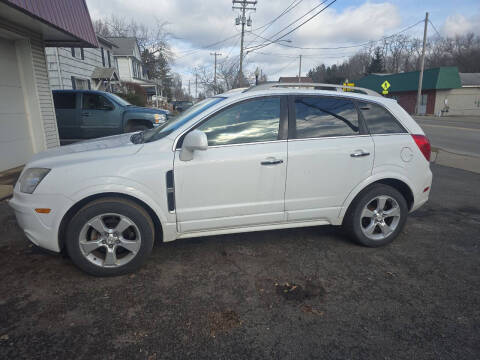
{"x": 197, "y": 23}
{"x": 460, "y": 25}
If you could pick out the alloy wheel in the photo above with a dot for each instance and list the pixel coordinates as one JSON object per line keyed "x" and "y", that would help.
{"x": 380, "y": 217}
{"x": 109, "y": 240}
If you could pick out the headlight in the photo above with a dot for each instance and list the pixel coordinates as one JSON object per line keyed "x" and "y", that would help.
{"x": 159, "y": 118}
{"x": 31, "y": 178}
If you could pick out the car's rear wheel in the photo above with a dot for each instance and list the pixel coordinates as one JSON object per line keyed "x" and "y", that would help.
{"x": 377, "y": 216}
{"x": 110, "y": 236}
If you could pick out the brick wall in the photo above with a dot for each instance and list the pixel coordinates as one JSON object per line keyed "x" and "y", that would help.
{"x": 407, "y": 100}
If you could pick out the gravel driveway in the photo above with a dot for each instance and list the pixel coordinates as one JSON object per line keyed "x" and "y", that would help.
{"x": 300, "y": 293}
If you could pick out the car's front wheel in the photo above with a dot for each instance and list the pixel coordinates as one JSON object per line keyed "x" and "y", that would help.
{"x": 377, "y": 216}
{"x": 110, "y": 236}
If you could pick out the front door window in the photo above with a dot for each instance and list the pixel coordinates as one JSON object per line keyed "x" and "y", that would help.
{"x": 248, "y": 122}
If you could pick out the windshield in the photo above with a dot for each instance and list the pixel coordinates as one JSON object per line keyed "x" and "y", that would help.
{"x": 119, "y": 100}
{"x": 180, "y": 120}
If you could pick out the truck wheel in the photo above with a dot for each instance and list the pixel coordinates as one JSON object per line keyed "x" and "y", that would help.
{"x": 377, "y": 216}
{"x": 110, "y": 237}
{"x": 136, "y": 127}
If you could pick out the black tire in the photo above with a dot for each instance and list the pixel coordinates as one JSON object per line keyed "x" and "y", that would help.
{"x": 353, "y": 218}
{"x": 136, "y": 127}
{"x": 123, "y": 207}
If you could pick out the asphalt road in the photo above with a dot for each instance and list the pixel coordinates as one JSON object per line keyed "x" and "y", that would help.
{"x": 290, "y": 294}
{"x": 456, "y": 134}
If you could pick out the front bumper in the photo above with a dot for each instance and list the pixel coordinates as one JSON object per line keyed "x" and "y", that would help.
{"x": 41, "y": 229}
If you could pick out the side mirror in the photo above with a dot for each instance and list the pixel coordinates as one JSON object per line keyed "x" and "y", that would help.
{"x": 194, "y": 140}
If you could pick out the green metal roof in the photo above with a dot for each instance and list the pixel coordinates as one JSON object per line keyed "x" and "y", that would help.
{"x": 437, "y": 78}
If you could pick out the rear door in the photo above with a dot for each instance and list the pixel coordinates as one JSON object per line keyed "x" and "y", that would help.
{"x": 240, "y": 179}
{"x": 67, "y": 113}
{"x": 99, "y": 116}
{"x": 329, "y": 154}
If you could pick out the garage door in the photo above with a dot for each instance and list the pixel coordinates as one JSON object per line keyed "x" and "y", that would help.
{"x": 15, "y": 142}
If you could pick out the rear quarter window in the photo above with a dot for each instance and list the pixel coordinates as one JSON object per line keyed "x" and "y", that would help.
{"x": 379, "y": 120}
{"x": 64, "y": 100}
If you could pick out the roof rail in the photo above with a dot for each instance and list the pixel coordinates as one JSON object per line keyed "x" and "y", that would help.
{"x": 316, "y": 86}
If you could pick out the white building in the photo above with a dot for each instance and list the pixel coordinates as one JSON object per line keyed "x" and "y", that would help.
{"x": 82, "y": 68}
{"x": 27, "y": 116}
{"x": 128, "y": 59}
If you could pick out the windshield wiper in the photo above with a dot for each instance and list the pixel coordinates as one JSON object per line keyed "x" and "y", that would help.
{"x": 137, "y": 138}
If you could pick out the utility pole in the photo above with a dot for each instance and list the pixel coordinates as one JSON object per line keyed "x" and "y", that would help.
{"x": 215, "y": 71}
{"x": 422, "y": 64}
{"x": 300, "y": 69}
{"x": 243, "y": 5}
{"x": 196, "y": 85}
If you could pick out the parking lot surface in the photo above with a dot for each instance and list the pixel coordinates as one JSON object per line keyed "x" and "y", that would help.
{"x": 294, "y": 294}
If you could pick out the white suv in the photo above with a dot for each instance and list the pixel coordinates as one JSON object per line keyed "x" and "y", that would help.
{"x": 265, "y": 158}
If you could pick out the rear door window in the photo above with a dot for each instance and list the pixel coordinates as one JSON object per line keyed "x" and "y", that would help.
{"x": 318, "y": 116}
{"x": 379, "y": 120}
{"x": 64, "y": 100}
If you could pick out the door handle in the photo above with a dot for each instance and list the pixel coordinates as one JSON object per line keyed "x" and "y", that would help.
{"x": 359, "y": 153}
{"x": 271, "y": 162}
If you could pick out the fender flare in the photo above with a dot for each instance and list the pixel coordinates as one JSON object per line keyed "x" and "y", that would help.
{"x": 133, "y": 191}
{"x": 369, "y": 181}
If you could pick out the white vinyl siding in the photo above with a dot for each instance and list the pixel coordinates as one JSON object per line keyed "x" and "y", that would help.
{"x": 34, "y": 124}
{"x": 73, "y": 66}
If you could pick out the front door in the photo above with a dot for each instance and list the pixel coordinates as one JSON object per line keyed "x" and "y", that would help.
{"x": 99, "y": 116}
{"x": 329, "y": 153}
{"x": 240, "y": 179}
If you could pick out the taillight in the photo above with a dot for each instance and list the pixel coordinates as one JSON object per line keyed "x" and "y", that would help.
{"x": 423, "y": 144}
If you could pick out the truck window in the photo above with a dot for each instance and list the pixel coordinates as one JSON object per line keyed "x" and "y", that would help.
{"x": 64, "y": 100}
{"x": 95, "y": 102}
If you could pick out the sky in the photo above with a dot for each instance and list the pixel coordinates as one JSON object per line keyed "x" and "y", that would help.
{"x": 194, "y": 25}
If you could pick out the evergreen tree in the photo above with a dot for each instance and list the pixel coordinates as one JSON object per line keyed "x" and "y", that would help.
{"x": 377, "y": 64}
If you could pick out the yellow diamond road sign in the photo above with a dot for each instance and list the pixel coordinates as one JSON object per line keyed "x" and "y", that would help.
{"x": 385, "y": 87}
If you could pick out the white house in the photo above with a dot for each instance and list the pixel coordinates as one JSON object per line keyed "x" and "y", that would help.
{"x": 27, "y": 116}
{"x": 82, "y": 68}
{"x": 129, "y": 64}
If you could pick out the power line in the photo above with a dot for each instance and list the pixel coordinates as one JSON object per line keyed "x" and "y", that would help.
{"x": 191, "y": 51}
{"x": 434, "y": 28}
{"x": 352, "y": 46}
{"x": 287, "y": 10}
{"x": 301, "y": 17}
{"x": 295, "y": 3}
{"x": 289, "y": 64}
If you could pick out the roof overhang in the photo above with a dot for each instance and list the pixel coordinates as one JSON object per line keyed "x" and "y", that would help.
{"x": 77, "y": 32}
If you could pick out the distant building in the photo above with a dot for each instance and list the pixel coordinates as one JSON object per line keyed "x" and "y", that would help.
{"x": 445, "y": 91}
{"x": 27, "y": 115}
{"x": 294, "y": 79}
{"x": 128, "y": 59}
{"x": 82, "y": 68}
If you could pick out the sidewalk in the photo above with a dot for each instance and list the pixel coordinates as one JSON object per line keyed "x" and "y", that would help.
{"x": 8, "y": 178}
{"x": 455, "y": 160}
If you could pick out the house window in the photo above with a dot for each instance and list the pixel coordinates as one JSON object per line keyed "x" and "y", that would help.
{"x": 103, "y": 57}
{"x": 73, "y": 51}
{"x": 108, "y": 57}
{"x": 80, "y": 84}
{"x": 82, "y": 54}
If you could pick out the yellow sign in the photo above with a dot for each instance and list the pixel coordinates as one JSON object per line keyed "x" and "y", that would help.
{"x": 347, "y": 85}
{"x": 385, "y": 87}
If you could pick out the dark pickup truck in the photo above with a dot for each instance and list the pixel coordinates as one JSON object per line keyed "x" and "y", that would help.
{"x": 87, "y": 114}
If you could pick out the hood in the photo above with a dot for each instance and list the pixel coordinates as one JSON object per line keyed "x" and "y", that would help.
{"x": 110, "y": 146}
{"x": 146, "y": 110}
